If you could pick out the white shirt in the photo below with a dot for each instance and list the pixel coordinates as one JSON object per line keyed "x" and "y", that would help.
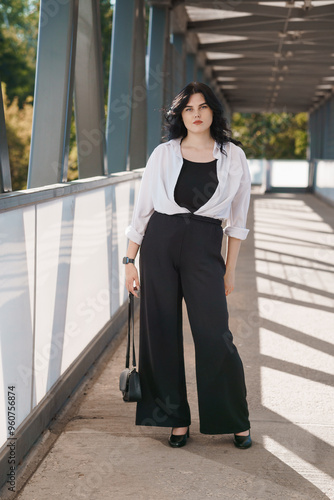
{"x": 229, "y": 202}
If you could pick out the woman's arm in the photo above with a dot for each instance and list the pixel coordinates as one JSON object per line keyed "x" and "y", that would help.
{"x": 233, "y": 247}
{"x": 131, "y": 273}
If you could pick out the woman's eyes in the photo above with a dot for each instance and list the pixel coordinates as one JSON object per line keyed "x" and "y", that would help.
{"x": 202, "y": 107}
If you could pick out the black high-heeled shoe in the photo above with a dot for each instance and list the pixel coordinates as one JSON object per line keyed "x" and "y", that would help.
{"x": 242, "y": 442}
{"x": 178, "y": 441}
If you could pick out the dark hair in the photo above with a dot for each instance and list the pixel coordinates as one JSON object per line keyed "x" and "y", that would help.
{"x": 175, "y": 126}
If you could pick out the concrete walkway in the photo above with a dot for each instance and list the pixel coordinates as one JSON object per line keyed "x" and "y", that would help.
{"x": 281, "y": 316}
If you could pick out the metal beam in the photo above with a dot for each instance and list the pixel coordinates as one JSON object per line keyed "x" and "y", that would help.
{"x": 250, "y": 64}
{"x": 251, "y": 24}
{"x": 178, "y": 62}
{"x": 265, "y": 37}
{"x": 240, "y": 45}
{"x": 138, "y": 130}
{"x": 53, "y": 93}
{"x": 5, "y": 178}
{"x": 200, "y": 74}
{"x": 156, "y": 76}
{"x": 271, "y": 47}
{"x": 282, "y": 12}
{"x": 120, "y": 85}
{"x": 89, "y": 99}
{"x": 190, "y": 67}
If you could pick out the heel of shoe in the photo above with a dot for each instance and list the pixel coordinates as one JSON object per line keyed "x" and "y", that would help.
{"x": 243, "y": 442}
{"x": 176, "y": 441}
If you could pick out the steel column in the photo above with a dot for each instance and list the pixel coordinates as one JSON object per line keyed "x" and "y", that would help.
{"x": 200, "y": 74}
{"x": 5, "y": 178}
{"x": 190, "y": 67}
{"x": 157, "y": 50}
{"x": 178, "y": 62}
{"x": 321, "y": 114}
{"x": 88, "y": 92}
{"x": 331, "y": 128}
{"x": 325, "y": 129}
{"x": 138, "y": 131}
{"x": 227, "y": 109}
{"x": 311, "y": 135}
{"x": 120, "y": 85}
{"x": 53, "y": 93}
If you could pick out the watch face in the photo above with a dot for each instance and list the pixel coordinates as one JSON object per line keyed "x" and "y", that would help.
{"x": 126, "y": 260}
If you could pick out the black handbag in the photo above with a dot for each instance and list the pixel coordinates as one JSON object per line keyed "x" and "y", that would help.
{"x": 129, "y": 381}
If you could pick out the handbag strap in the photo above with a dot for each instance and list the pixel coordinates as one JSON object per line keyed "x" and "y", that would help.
{"x": 131, "y": 326}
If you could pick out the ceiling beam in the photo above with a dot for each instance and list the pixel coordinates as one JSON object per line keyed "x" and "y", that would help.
{"x": 265, "y": 46}
{"x": 274, "y": 36}
{"x": 249, "y": 24}
{"x": 282, "y": 12}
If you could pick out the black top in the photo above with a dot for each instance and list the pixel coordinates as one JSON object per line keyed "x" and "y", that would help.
{"x": 196, "y": 184}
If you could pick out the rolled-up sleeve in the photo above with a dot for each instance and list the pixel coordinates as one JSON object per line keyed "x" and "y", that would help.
{"x": 143, "y": 208}
{"x": 236, "y": 223}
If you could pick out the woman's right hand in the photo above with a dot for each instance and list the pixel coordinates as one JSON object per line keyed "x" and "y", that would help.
{"x": 131, "y": 279}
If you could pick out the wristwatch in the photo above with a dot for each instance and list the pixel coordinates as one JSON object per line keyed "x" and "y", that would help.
{"x": 126, "y": 260}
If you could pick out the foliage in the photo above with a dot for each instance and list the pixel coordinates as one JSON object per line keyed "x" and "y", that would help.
{"x": 18, "y": 128}
{"x": 271, "y": 135}
{"x": 18, "y": 46}
{"x": 18, "y": 41}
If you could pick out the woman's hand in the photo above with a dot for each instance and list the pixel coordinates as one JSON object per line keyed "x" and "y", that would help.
{"x": 229, "y": 280}
{"x": 131, "y": 276}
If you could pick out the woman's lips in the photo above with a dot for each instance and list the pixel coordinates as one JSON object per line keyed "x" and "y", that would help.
{"x": 198, "y": 122}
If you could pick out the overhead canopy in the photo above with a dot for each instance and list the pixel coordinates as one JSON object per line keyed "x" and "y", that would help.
{"x": 267, "y": 56}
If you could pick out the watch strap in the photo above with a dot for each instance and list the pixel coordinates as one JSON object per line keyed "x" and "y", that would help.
{"x": 127, "y": 260}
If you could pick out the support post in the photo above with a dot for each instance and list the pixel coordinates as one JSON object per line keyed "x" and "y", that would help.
{"x": 138, "y": 132}
{"x": 190, "y": 67}
{"x": 120, "y": 85}
{"x": 53, "y": 93}
{"x": 178, "y": 62}
{"x": 179, "y": 20}
{"x": 88, "y": 93}
{"x": 200, "y": 74}
{"x": 156, "y": 75}
{"x": 191, "y": 51}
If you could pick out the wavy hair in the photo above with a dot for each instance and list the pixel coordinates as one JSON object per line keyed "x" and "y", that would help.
{"x": 175, "y": 127}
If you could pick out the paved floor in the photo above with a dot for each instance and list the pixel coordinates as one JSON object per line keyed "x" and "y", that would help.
{"x": 281, "y": 316}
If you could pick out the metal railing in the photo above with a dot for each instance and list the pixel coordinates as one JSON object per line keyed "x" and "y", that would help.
{"x": 62, "y": 293}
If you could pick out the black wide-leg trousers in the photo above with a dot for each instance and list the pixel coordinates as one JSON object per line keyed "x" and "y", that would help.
{"x": 180, "y": 256}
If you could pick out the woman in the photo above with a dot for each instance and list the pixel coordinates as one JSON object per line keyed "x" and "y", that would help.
{"x": 190, "y": 184}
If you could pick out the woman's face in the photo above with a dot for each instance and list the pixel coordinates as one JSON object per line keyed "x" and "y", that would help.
{"x": 197, "y": 116}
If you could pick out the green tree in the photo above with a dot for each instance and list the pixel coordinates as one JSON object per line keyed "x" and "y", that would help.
{"x": 272, "y": 135}
{"x": 18, "y": 129}
{"x": 18, "y": 42}
{"x": 18, "y": 46}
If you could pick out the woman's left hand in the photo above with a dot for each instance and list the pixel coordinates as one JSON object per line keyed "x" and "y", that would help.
{"x": 229, "y": 279}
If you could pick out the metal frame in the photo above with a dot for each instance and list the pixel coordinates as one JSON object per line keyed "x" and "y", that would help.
{"x": 53, "y": 94}
{"x": 17, "y": 199}
{"x": 38, "y": 420}
{"x": 88, "y": 93}
{"x": 138, "y": 127}
{"x": 120, "y": 85}
{"x": 156, "y": 74}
